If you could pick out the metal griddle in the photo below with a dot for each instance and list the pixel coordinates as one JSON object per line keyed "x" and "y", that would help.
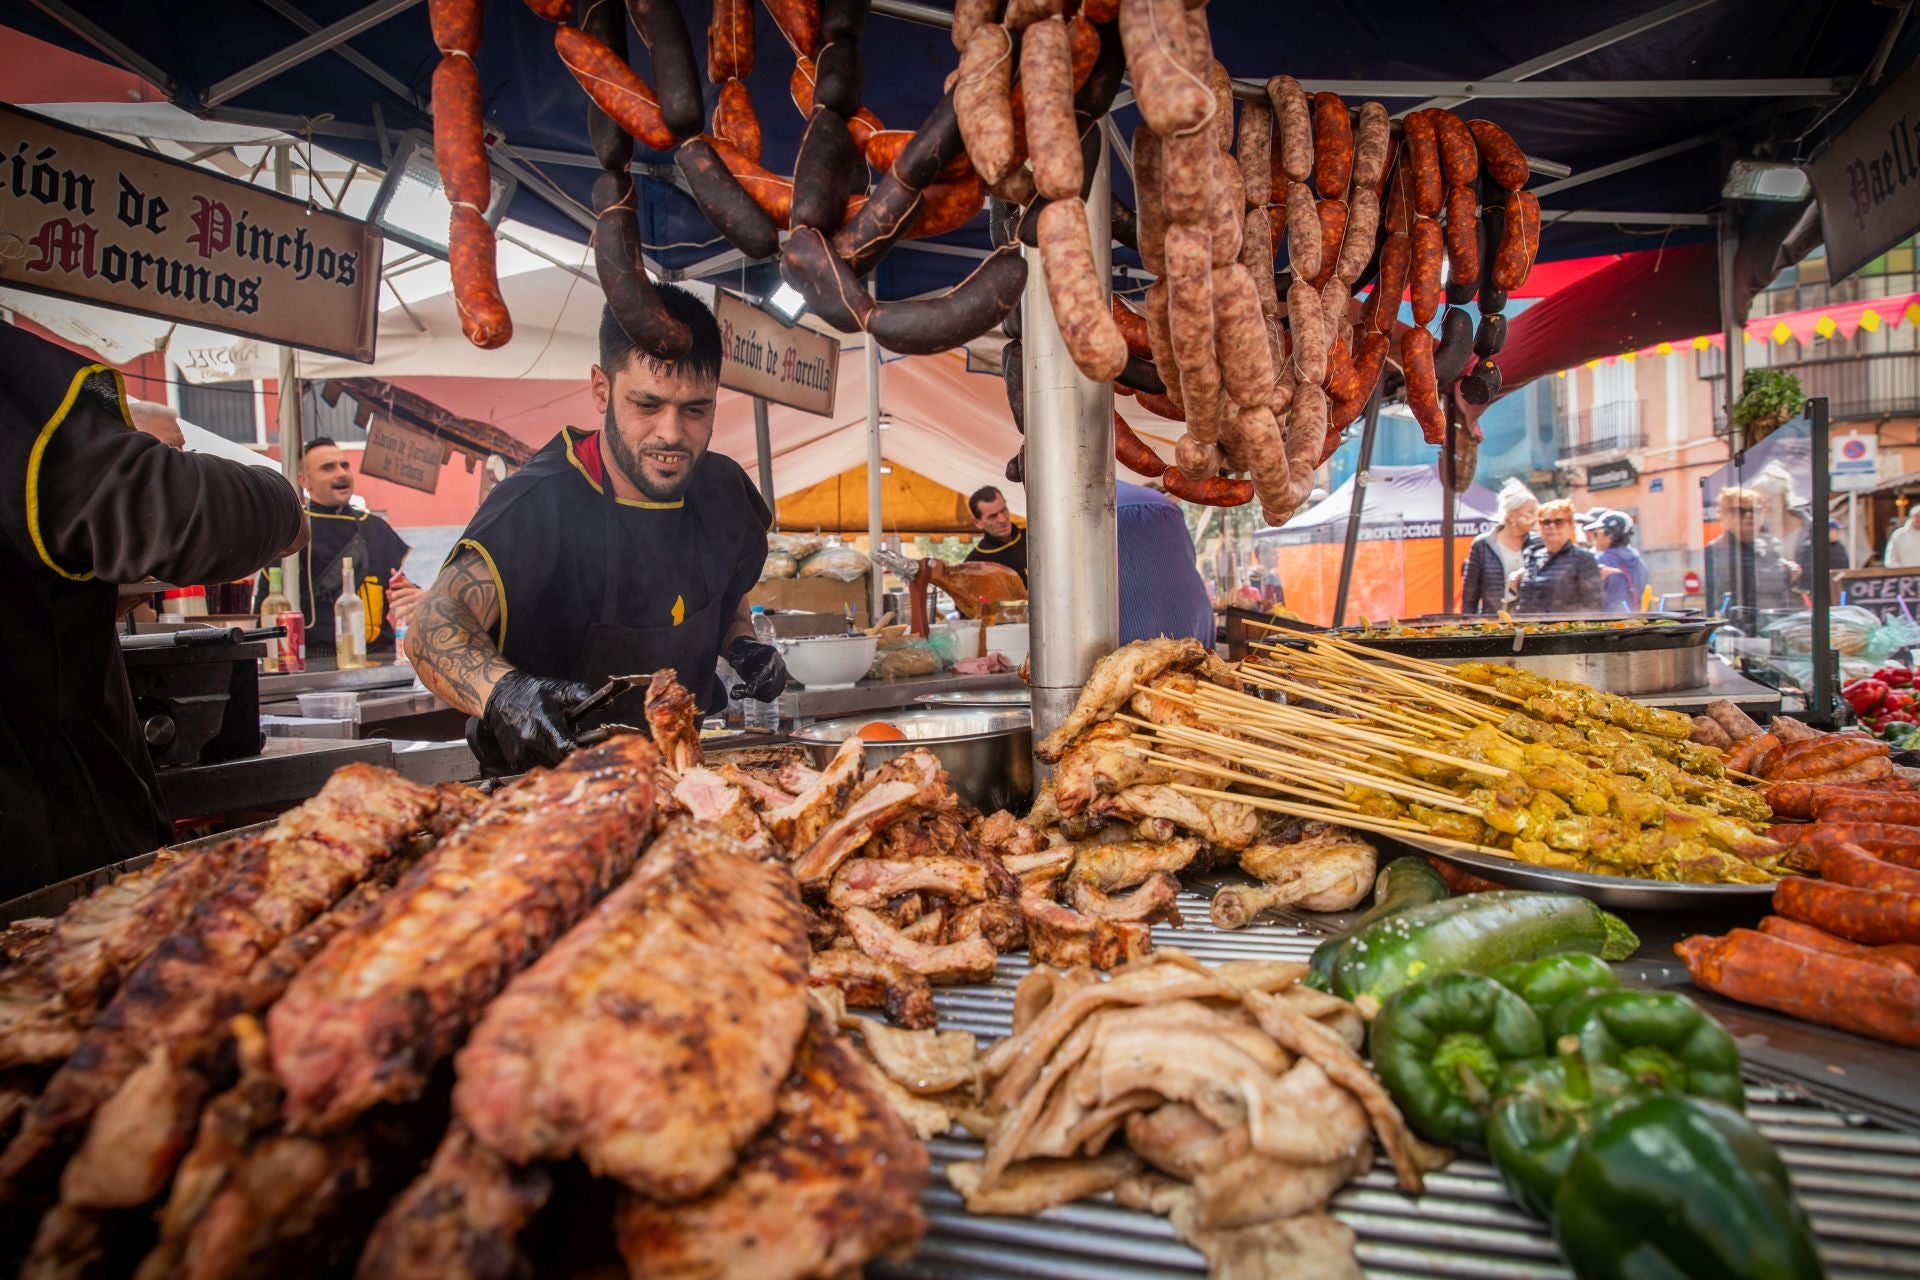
{"x": 1859, "y": 1180}
{"x": 1659, "y": 631}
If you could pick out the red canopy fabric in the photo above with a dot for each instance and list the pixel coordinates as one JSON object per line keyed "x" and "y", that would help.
{"x": 1642, "y": 299}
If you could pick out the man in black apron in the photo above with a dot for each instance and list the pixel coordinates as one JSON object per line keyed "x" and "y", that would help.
{"x": 614, "y": 552}
{"x": 1001, "y": 541}
{"x": 340, "y": 531}
{"x": 87, "y": 502}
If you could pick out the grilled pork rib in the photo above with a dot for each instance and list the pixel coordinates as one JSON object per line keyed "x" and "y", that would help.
{"x": 652, "y": 1039}
{"x": 833, "y": 1182}
{"x": 179, "y": 998}
{"x": 368, "y": 1019}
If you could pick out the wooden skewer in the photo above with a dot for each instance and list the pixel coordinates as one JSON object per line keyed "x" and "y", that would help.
{"x": 1364, "y": 822}
{"x": 1378, "y": 781}
{"x": 1234, "y": 776}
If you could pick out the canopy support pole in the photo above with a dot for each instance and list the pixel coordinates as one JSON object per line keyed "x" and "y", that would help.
{"x": 289, "y": 393}
{"x": 1447, "y": 497}
{"x": 763, "y": 446}
{"x": 1820, "y": 686}
{"x": 1736, "y": 373}
{"x": 1369, "y": 428}
{"x": 875, "y": 576}
{"x": 1073, "y": 571}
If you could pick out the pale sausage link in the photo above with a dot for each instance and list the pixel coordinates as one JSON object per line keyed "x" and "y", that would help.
{"x": 1189, "y": 282}
{"x": 983, "y": 101}
{"x": 1240, "y": 335}
{"x": 1309, "y": 333}
{"x": 1080, "y": 306}
{"x": 1046, "y": 81}
{"x": 1293, "y": 121}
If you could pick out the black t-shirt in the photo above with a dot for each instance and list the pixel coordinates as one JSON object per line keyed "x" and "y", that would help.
{"x": 1012, "y": 553}
{"x": 341, "y": 532}
{"x": 544, "y": 533}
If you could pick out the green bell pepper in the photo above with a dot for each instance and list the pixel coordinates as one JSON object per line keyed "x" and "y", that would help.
{"x": 1679, "y": 1188}
{"x": 1536, "y": 1129}
{"x": 1549, "y": 982}
{"x": 1659, "y": 1038}
{"x": 1444, "y": 1047}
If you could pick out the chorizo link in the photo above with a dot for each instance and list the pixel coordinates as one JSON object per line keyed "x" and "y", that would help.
{"x": 1366, "y": 366}
{"x": 1423, "y": 388}
{"x": 1510, "y": 263}
{"x": 1332, "y": 146}
{"x": 1851, "y": 865}
{"x": 459, "y": 133}
{"x": 1161, "y": 406}
{"x": 1022, "y": 14}
{"x": 734, "y": 120}
{"x": 1189, "y": 169}
{"x": 1895, "y": 955}
{"x": 1741, "y": 758}
{"x": 1357, "y": 240}
{"x": 1074, "y": 287}
{"x": 1459, "y": 158}
{"x": 1332, "y": 216}
{"x": 969, "y": 16}
{"x": 1222, "y": 85}
{"x": 1158, "y": 39}
{"x": 1216, "y": 492}
{"x": 773, "y": 192}
{"x": 1307, "y": 431}
{"x": 1265, "y": 448}
{"x": 456, "y": 25}
{"x": 1424, "y": 275}
{"x": 729, "y": 41}
{"x": 1197, "y": 461}
{"x": 1500, "y": 155}
{"x": 1463, "y": 238}
{"x": 983, "y": 103}
{"x": 1293, "y": 122}
{"x": 1046, "y": 81}
{"x": 1336, "y": 313}
{"x": 1255, "y": 151}
{"x": 1160, "y": 340}
{"x": 1343, "y": 375}
{"x": 1309, "y": 333}
{"x": 1133, "y": 328}
{"x": 1529, "y": 227}
{"x": 1372, "y": 148}
{"x": 1426, "y": 190}
{"x": 1304, "y": 249}
{"x": 551, "y": 10}
{"x": 1240, "y": 332}
{"x": 476, "y": 285}
{"x": 1225, "y": 220}
{"x": 614, "y": 87}
{"x": 1383, "y": 304}
{"x": 1872, "y": 916}
{"x": 799, "y": 22}
{"x": 618, "y": 261}
{"x": 1151, "y": 216}
{"x": 1133, "y": 453}
{"x": 1886, "y": 840}
{"x": 1817, "y": 986}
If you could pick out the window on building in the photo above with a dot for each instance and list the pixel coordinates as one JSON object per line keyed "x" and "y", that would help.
{"x": 229, "y": 409}
{"x": 335, "y": 421}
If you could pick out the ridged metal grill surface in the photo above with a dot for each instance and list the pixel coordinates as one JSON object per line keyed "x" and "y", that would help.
{"x": 1859, "y": 1181}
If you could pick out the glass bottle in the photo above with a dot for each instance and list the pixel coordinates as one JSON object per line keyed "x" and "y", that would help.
{"x": 349, "y": 622}
{"x": 271, "y": 608}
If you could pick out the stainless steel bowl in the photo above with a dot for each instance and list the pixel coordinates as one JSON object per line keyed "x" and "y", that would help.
{"x": 988, "y": 753}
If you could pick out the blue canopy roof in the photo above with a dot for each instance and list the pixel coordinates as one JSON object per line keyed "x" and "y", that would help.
{"x": 378, "y": 79}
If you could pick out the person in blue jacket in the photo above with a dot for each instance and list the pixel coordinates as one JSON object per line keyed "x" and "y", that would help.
{"x": 1623, "y": 572}
{"x": 1161, "y": 592}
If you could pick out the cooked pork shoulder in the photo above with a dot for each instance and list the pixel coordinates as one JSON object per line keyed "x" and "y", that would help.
{"x": 673, "y": 721}
{"x": 1036, "y": 1185}
{"x": 832, "y": 1183}
{"x": 459, "y": 1220}
{"x": 1227, "y": 823}
{"x": 1061, "y": 936}
{"x": 912, "y": 781}
{"x": 869, "y": 982}
{"x": 971, "y": 960}
{"x": 712, "y": 800}
{"x": 798, "y": 822}
{"x": 1156, "y": 900}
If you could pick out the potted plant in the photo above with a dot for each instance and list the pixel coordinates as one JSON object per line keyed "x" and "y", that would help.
{"x": 1768, "y": 399}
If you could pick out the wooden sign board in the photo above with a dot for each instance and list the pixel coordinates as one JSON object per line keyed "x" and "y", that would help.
{"x": 402, "y": 455}
{"x": 777, "y": 362}
{"x": 94, "y": 220}
{"x": 1867, "y": 181}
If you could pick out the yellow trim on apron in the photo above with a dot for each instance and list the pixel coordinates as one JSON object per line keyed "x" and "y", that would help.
{"x": 39, "y": 450}
{"x": 566, "y": 433}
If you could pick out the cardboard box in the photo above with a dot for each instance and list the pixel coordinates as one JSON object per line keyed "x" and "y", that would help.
{"x": 812, "y": 595}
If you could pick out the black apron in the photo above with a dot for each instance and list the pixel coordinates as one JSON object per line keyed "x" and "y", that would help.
{"x": 77, "y": 787}
{"x": 612, "y": 648}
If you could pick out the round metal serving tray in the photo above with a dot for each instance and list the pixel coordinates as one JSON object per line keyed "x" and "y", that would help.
{"x": 979, "y": 698}
{"x": 1626, "y": 892}
{"x": 987, "y": 752}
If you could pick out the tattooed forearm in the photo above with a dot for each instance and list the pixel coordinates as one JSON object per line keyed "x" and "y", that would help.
{"x": 449, "y": 641}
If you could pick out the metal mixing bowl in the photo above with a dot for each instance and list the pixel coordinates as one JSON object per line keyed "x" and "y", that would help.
{"x": 988, "y": 753}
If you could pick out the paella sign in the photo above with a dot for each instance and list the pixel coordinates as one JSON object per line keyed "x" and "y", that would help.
{"x": 1868, "y": 181}
{"x": 782, "y": 363}
{"x": 88, "y": 218}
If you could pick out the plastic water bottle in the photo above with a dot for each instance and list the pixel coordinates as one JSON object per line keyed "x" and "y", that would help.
{"x": 757, "y": 716}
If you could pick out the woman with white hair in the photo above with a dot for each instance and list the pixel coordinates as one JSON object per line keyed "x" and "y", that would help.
{"x": 1498, "y": 554}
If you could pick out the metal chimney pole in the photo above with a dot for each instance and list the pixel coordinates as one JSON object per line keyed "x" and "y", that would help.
{"x": 1073, "y": 569}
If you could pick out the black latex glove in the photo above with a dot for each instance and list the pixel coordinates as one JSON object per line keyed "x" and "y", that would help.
{"x": 762, "y": 674}
{"x": 527, "y": 716}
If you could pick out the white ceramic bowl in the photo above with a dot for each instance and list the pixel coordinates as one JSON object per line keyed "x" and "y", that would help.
{"x": 1009, "y": 638}
{"x": 828, "y": 662}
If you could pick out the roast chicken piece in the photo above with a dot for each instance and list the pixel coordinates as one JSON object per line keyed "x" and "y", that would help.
{"x": 1116, "y": 677}
{"x": 1321, "y": 868}
{"x": 652, "y": 1038}
{"x": 973, "y": 585}
{"x": 832, "y": 1183}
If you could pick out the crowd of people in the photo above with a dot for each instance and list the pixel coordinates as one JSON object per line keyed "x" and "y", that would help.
{"x": 1545, "y": 558}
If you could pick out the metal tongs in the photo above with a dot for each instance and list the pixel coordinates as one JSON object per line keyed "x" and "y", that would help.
{"x": 613, "y": 688}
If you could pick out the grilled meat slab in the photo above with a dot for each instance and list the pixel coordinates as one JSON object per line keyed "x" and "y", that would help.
{"x": 673, "y": 721}
{"x": 179, "y": 998}
{"x": 459, "y": 1220}
{"x": 869, "y": 982}
{"x": 898, "y": 787}
{"x": 969, "y": 960}
{"x": 712, "y": 799}
{"x": 833, "y": 1182}
{"x": 798, "y": 822}
{"x": 1156, "y": 898}
{"x": 59, "y": 982}
{"x": 653, "y": 1038}
{"x": 368, "y": 1019}
{"x": 874, "y": 882}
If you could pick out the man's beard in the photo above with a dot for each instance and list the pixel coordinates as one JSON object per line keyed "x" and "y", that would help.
{"x": 628, "y": 461}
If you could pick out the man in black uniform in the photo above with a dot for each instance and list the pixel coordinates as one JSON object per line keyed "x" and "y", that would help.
{"x": 340, "y": 531}
{"x": 614, "y": 552}
{"x": 1001, "y": 541}
{"x": 87, "y": 502}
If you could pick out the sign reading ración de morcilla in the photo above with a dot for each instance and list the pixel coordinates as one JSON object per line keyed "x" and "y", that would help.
{"x": 88, "y": 218}
{"x": 786, "y": 364}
